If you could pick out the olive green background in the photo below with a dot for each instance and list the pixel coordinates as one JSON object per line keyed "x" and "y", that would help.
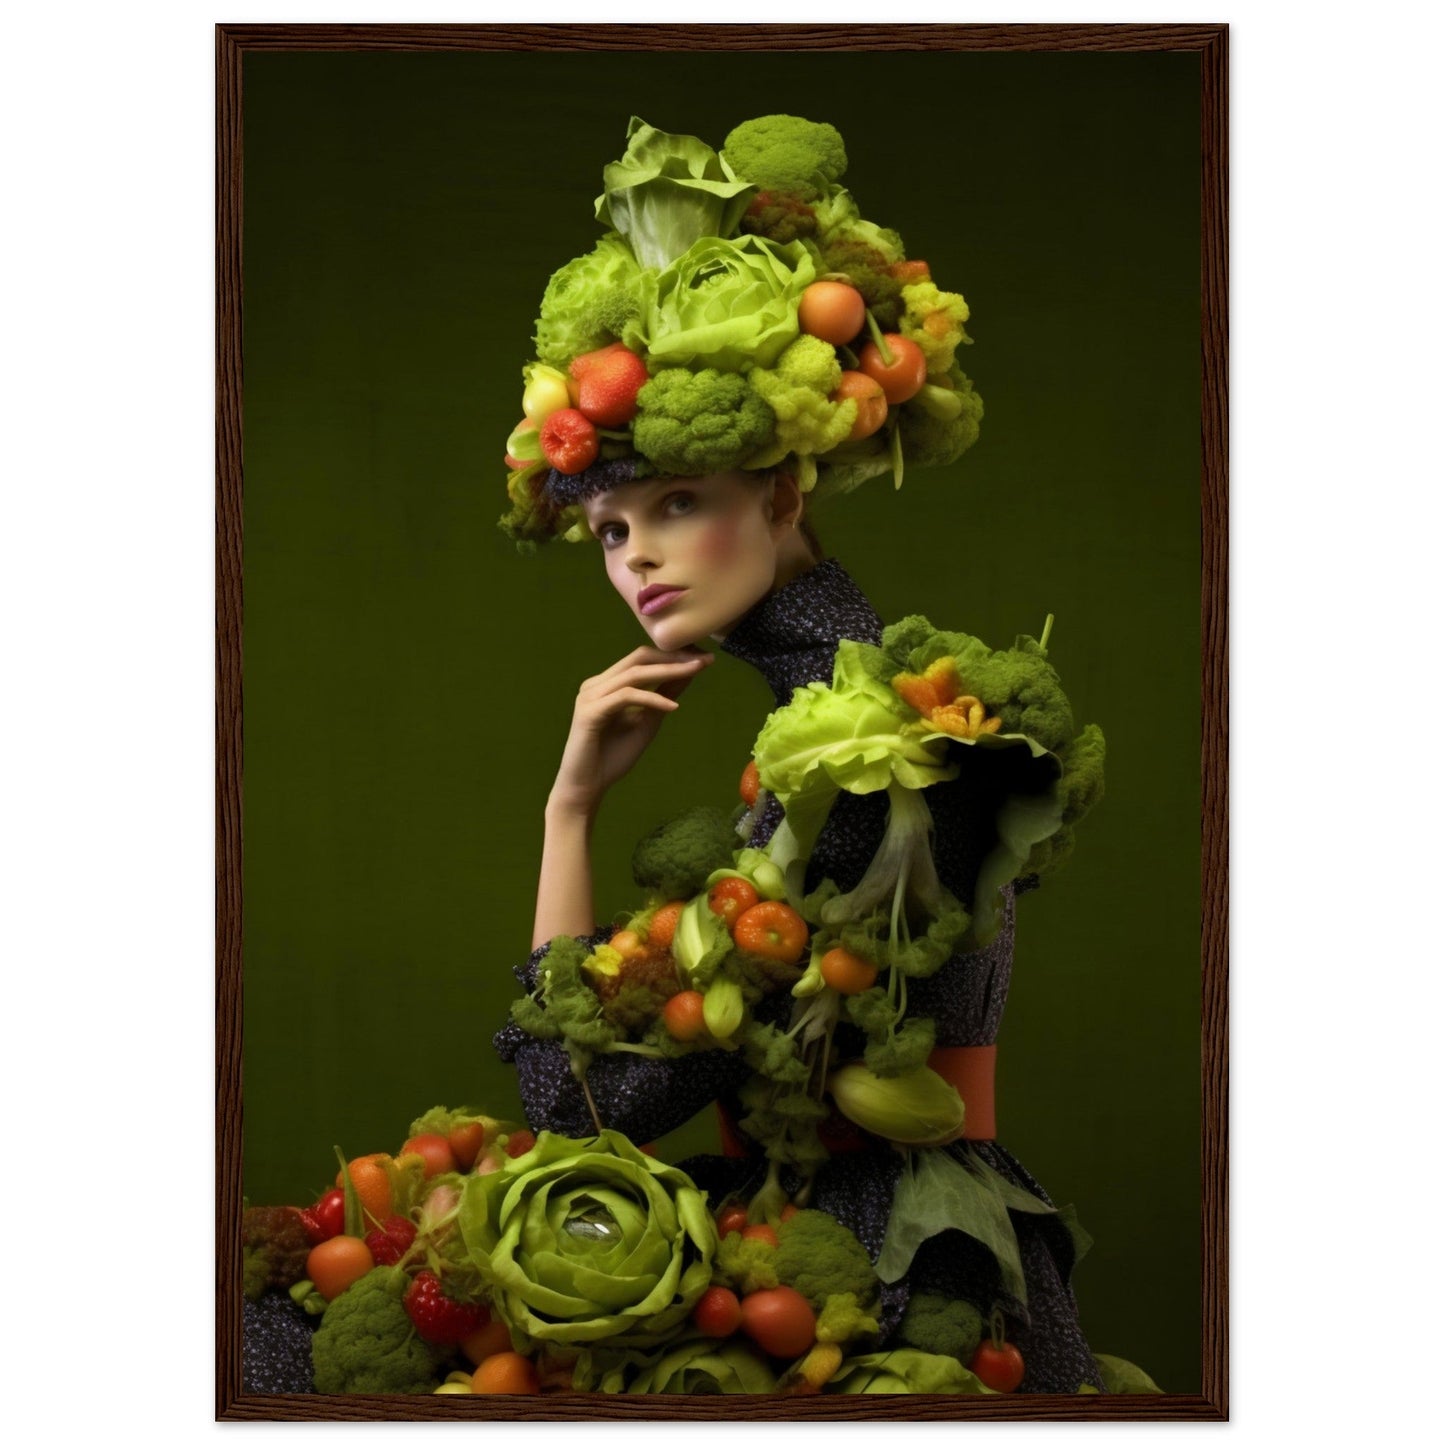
{"x": 408, "y": 678}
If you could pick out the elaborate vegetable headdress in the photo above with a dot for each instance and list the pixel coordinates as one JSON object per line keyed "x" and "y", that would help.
{"x": 739, "y": 312}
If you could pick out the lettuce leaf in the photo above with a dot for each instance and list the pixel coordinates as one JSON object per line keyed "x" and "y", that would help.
{"x": 669, "y": 191}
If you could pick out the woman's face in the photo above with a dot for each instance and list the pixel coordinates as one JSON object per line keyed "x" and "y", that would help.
{"x": 689, "y": 555}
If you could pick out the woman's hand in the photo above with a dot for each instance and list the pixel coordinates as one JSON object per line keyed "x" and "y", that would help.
{"x": 617, "y": 715}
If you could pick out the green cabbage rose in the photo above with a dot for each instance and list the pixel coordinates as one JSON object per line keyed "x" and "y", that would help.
{"x": 692, "y": 1367}
{"x": 727, "y": 304}
{"x": 905, "y": 1372}
{"x": 590, "y": 1240}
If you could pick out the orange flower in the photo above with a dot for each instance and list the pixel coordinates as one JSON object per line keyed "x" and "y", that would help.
{"x": 937, "y": 693}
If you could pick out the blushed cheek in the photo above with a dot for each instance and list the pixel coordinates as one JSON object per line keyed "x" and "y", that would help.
{"x": 721, "y": 544}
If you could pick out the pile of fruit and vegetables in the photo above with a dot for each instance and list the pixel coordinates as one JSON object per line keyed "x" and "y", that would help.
{"x": 481, "y": 1259}
{"x": 738, "y": 312}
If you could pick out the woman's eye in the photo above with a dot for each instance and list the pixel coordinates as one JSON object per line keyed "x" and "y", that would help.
{"x": 610, "y": 534}
{"x": 681, "y": 503}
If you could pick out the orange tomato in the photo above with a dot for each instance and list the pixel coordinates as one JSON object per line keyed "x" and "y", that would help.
{"x": 748, "y": 785}
{"x": 682, "y": 1015}
{"x": 779, "y": 1321}
{"x": 872, "y": 404}
{"x": 436, "y": 1154}
{"x": 832, "y": 311}
{"x": 764, "y": 1232}
{"x": 373, "y": 1188}
{"x": 772, "y": 930}
{"x": 845, "y": 972}
{"x": 506, "y": 1373}
{"x": 492, "y": 1339}
{"x": 628, "y": 942}
{"x": 731, "y": 897}
{"x": 663, "y": 927}
{"x": 905, "y": 377}
{"x": 336, "y": 1264}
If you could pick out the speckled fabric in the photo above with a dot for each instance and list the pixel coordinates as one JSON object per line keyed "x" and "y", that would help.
{"x": 563, "y": 489}
{"x": 276, "y": 1347}
{"x": 791, "y": 637}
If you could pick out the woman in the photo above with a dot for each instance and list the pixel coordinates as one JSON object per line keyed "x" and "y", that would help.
{"x": 725, "y": 557}
{"x": 740, "y": 342}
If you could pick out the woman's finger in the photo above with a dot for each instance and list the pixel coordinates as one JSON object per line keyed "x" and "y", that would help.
{"x": 612, "y": 703}
{"x": 646, "y": 674}
{"x": 649, "y": 655}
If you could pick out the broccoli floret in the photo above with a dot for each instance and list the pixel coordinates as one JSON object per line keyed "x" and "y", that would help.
{"x": 778, "y": 217}
{"x": 866, "y": 266}
{"x": 934, "y": 320}
{"x": 843, "y": 1319}
{"x": 569, "y": 1009}
{"x": 694, "y": 423}
{"x": 941, "y": 1325}
{"x": 675, "y": 859}
{"x": 590, "y": 302}
{"x": 274, "y": 1247}
{"x": 787, "y": 153}
{"x": 746, "y": 1264}
{"x": 819, "y": 1257}
{"x": 942, "y": 422}
{"x": 798, "y": 390}
{"x": 1081, "y": 786}
{"x": 366, "y": 1344}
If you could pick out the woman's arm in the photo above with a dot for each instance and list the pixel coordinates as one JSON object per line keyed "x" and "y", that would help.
{"x": 617, "y": 714}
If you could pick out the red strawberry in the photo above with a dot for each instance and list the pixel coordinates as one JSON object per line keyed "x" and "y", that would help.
{"x": 437, "y": 1318}
{"x": 392, "y": 1240}
{"x": 569, "y": 441}
{"x": 607, "y": 384}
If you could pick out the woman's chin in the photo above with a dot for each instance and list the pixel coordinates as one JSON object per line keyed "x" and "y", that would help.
{"x": 672, "y": 634}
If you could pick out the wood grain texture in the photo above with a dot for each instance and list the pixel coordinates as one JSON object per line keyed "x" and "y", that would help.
{"x": 1211, "y": 43}
{"x": 685, "y": 38}
{"x": 228, "y": 722}
{"x": 1214, "y": 731}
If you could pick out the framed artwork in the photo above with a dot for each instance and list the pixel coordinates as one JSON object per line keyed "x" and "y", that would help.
{"x": 391, "y": 202}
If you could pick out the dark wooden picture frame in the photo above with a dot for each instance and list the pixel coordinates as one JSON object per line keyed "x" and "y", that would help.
{"x": 1210, "y": 42}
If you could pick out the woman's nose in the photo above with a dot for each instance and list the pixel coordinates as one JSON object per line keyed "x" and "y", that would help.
{"x": 641, "y": 554}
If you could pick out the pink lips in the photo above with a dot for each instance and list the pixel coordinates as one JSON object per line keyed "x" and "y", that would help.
{"x": 655, "y": 598}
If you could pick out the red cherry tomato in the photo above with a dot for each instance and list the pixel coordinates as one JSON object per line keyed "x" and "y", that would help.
{"x": 330, "y": 1213}
{"x": 1000, "y": 1367}
{"x": 779, "y": 1321}
{"x": 718, "y": 1313}
{"x": 729, "y": 897}
{"x": 765, "y": 1232}
{"x": 522, "y": 1141}
{"x": 735, "y": 1216}
{"x": 748, "y": 784}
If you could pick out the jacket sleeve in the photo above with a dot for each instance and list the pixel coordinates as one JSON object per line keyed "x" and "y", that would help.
{"x": 641, "y": 1097}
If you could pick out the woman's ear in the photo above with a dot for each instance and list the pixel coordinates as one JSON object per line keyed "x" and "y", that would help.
{"x": 787, "y": 508}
